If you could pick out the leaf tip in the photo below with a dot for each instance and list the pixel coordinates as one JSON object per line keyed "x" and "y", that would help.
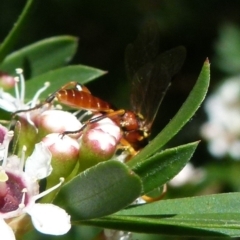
{"x": 207, "y": 61}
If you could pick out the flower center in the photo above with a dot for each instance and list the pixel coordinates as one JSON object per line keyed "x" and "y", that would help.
{"x": 11, "y": 194}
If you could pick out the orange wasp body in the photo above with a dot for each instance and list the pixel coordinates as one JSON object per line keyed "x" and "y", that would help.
{"x": 77, "y": 96}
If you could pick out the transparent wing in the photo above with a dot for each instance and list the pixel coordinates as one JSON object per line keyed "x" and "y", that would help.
{"x": 143, "y": 50}
{"x": 150, "y": 73}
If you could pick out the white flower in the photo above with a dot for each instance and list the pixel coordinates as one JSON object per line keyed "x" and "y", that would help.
{"x": 223, "y": 127}
{"x": 11, "y": 103}
{"x": 6, "y": 231}
{"x": 110, "y": 234}
{"x": 50, "y": 219}
{"x": 189, "y": 174}
{"x": 19, "y": 191}
{"x": 42, "y": 167}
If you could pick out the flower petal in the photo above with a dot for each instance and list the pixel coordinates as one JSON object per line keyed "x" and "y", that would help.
{"x": 8, "y": 102}
{"x": 7, "y": 106}
{"x": 38, "y": 165}
{"x": 6, "y": 231}
{"x": 50, "y": 219}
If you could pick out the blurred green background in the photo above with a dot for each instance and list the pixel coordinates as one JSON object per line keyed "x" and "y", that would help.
{"x": 104, "y": 28}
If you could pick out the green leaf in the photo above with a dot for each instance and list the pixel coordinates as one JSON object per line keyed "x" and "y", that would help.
{"x": 203, "y": 225}
{"x": 41, "y": 56}
{"x": 161, "y": 167}
{"x": 184, "y": 114}
{"x": 215, "y": 203}
{"x": 99, "y": 191}
{"x": 13, "y": 36}
{"x": 57, "y": 78}
{"x": 213, "y": 215}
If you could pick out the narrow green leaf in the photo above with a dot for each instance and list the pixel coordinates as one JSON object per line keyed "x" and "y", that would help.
{"x": 213, "y": 215}
{"x": 188, "y": 225}
{"x": 57, "y": 78}
{"x": 99, "y": 191}
{"x": 223, "y": 223}
{"x": 216, "y": 203}
{"x": 184, "y": 114}
{"x": 41, "y": 56}
{"x": 9, "y": 42}
{"x": 161, "y": 167}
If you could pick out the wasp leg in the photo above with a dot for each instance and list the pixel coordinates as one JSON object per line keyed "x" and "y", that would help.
{"x": 154, "y": 199}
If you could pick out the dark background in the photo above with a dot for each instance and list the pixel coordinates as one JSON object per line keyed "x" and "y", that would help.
{"x": 104, "y": 29}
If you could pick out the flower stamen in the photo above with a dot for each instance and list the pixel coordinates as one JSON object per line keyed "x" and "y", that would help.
{"x": 38, "y": 93}
{"x": 22, "y": 160}
{"x": 22, "y": 204}
{"x": 16, "y": 88}
{"x": 2, "y": 151}
{"x": 42, "y": 194}
{"x": 3, "y": 184}
{"x": 33, "y": 102}
{"x": 7, "y": 138}
{"x": 19, "y": 71}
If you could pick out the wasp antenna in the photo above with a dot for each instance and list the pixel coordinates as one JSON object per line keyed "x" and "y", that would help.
{"x": 74, "y": 132}
{"x": 26, "y": 110}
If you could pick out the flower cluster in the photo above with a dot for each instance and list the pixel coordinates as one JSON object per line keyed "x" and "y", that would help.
{"x": 222, "y": 131}
{"x": 19, "y": 191}
{"x": 44, "y": 152}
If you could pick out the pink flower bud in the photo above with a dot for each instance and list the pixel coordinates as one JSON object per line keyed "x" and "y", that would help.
{"x": 57, "y": 121}
{"x": 108, "y": 126}
{"x": 6, "y": 81}
{"x": 65, "y": 152}
{"x": 98, "y": 143}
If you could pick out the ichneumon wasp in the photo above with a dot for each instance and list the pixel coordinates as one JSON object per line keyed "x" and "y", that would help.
{"x": 150, "y": 74}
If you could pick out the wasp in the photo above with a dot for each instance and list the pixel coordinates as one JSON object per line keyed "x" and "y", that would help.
{"x": 150, "y": 74}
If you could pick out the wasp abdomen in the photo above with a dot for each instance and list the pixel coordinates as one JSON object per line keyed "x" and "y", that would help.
{"x": 82, "y": 100}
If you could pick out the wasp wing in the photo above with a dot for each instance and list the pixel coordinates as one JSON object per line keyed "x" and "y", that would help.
{"x": 151, "y": 82}
{"x": 150, "y": 74}
{"x": 143, "y": 50}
